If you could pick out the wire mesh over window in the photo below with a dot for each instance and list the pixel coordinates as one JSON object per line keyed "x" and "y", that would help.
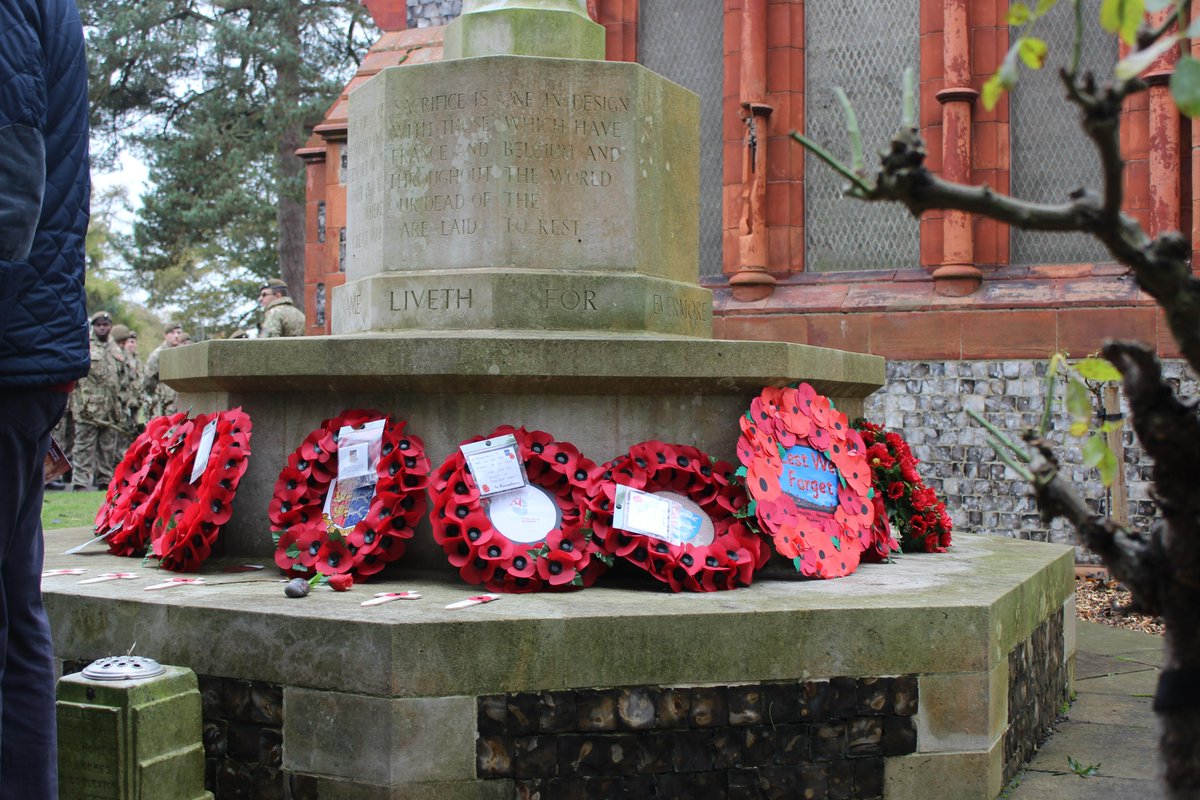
{"x": 863, "y": 46}
{"x": 682, "y": 41}
{"x": 1051, "y": 157}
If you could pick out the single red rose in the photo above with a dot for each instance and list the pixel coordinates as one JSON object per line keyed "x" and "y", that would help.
{"x": 341, "y": 582}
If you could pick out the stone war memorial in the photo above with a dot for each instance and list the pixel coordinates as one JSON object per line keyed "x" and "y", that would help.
{"x": 522, "y": 250}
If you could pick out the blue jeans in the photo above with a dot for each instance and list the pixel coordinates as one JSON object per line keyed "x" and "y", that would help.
{"x": 28, "y": 742}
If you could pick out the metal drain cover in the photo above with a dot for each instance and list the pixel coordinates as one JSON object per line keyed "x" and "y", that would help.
{"x": 123, "y": 668}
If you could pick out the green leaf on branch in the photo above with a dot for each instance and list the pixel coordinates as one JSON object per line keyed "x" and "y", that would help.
{"x": 1027, "y": 50}
{"x": 1096, "y": 453}
{"x": 1112, "y": 425}
{"x": 1122, "y": 17}
{"x": 1097, "y": 369}
{"x": 1032, "y": 52}
{"x": 1079, "y": 405}
{"x": 1018, "y": 14}
{"x": 857, "y": 161}
{"x": 1185, "y": 86}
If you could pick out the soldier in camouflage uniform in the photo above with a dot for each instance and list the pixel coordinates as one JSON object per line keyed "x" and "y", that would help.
{"x": 95, "y": 404}
{"x": 131, "y": 385}
{"x": 160, "y": 398}
{"x": 280, "y": 315}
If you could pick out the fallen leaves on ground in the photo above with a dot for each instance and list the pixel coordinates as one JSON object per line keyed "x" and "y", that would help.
{"x": 1098, "y": 598}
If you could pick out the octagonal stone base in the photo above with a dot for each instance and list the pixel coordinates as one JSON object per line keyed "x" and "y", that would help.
{"x": 603, "y": 393}
{"x": 893, "y": 681}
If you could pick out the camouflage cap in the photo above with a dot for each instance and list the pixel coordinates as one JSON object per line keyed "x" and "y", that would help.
{"x": 275, "y": 284}
{"x": 171, "y": 326}
{"x": 120, "y": 333}
{"x": 101, "y": 316}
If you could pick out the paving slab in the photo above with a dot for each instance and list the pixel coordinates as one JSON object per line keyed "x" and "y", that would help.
{"x": 1069, "y": 786}
{"x": 1113, "y": 709}
{"x": 1111, "y": 723}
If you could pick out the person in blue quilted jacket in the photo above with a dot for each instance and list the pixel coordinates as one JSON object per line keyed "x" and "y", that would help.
{"x": 44, "y": 349}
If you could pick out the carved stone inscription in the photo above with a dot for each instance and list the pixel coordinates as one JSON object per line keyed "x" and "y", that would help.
{"x": 519, "y": 166}
{"x": 90, "y": 752}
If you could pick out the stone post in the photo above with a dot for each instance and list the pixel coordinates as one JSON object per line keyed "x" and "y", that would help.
{"x": 133, "y": 738}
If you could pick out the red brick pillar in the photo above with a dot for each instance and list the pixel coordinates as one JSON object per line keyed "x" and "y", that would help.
{"x": 752, "y": 281}
{"x": 389, "y": 15}
{"x": 1165, "y": 154}
{"x": 957, "y": 275}
{"x": 1195, "y": 176}
{"x": 619, "y": 18}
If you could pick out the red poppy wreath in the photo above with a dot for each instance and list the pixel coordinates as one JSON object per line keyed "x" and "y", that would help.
{"x": 197, "y": 498}
{"x": 527, "y": 539}
{"x": 807, "y": 473}
{"x": 370, "y": 520}
{"x": 706, "y": 547}
{"x": 132, "y": 499}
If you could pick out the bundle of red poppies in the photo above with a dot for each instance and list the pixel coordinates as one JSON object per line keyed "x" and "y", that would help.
{"x": 705, "y": 559}
{"x": 547, "y": 546}
{"x": 916, "y": 514}
{"x": 196, "y": 500}
{"x": 306, "y": 543}
{"x": 131, "y": 501}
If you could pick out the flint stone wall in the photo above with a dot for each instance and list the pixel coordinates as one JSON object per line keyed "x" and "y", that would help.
{"x": 428, "y": 13}
{"x": 928, "y": 400}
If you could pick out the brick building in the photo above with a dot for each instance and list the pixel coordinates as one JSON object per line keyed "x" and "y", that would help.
{"x": 965, "y": 310}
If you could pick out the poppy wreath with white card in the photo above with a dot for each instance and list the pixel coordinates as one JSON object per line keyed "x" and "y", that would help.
{"x": 525, "y": 539}
{"x": 199, "y": 484}
{"x": 321, "y": 526}
{"x": 130, "y": 503}
{"x": 689, "y": 534}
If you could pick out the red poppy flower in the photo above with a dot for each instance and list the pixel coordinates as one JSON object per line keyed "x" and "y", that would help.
{"x": 398, "y": 502}
{"x": 334, "y": 557}
{"x": 896, "y": 490}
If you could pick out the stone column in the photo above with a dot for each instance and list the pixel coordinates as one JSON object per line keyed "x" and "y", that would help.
{"x": 1165, "y": 178}
{"x": 1195, "y": 176}
{"x": 752, "y": 281}
{"x": 957, "y": 275}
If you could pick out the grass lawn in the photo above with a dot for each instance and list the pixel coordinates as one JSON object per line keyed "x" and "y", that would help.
{"x": 70, "y": 509}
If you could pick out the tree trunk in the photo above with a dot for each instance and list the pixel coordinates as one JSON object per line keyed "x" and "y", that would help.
{"x": 289, "y": 214}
